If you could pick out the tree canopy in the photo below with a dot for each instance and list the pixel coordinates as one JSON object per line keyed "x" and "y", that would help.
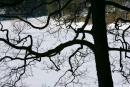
{"x": 61, "y": 44}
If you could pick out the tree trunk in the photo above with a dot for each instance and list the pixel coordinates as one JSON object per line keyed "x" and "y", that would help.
{"x": 101, "y": 44}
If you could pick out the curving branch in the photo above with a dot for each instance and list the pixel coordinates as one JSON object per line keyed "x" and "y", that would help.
{"x": 117, "y": 5}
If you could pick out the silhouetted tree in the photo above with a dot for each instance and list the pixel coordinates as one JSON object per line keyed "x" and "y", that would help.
{"x": 28, "y": 54}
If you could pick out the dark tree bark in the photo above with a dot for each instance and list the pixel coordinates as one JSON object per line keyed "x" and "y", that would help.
{"x": 101, "y": 46}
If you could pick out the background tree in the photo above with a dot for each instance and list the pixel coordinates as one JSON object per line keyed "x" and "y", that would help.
{"x": 25, "y": 45}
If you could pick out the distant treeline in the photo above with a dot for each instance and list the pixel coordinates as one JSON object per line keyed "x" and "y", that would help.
{"x": 36, "y": 8}
{"x": 25, "y": 8}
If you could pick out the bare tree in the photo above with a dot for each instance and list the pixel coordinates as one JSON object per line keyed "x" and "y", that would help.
{"x": 23, "y": 52}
